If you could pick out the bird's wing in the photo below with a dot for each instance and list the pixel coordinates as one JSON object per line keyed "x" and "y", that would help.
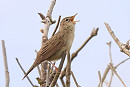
{"x": 51, "y": 46}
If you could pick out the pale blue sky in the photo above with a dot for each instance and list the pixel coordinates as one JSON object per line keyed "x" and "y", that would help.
{"x": 20, "y": 28}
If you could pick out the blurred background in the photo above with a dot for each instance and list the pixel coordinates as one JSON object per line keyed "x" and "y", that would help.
{"x": 20, "y": 29}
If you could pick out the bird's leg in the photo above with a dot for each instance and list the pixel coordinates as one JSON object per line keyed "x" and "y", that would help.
{"x": 54, "y": 66}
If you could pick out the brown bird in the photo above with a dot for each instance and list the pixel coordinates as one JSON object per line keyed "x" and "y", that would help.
{"x": 58, "y": 44}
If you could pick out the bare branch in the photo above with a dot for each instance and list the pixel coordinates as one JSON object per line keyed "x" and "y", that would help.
{"x": 123, "y": 47}
{"x": 121, "y": 62}
{"x": 47, "y": 22}
{"x": 109, "y": 44}
{"x": 113, "y": 69}
{"x": 24, "y": 72}
{"x": 56, "y": 26}
{"x": 48, "y": 75}
{"x": 74, "y": 79}
{"x": 62, "y": 81}
{"x": 68, "y": 70}
{"x": 7, "y": 79}
{"x": 109, "y": 84}
{"x": 58, "y": 73}
{"x": 93, "y": 33}
{"x": 100, "y": 80}
{"x": 105, "y": 74}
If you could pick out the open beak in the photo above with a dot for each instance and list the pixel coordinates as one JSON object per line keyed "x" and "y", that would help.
{"x": 72, "y": 18}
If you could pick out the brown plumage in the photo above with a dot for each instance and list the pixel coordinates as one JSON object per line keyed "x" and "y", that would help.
{"x": 61, "y": 42}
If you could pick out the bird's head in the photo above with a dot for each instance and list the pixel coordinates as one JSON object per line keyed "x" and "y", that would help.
{"x": 68, "y": 22}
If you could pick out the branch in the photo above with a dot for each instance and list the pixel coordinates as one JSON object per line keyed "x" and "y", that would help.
{"x": 100, "y": 80}
{"x": 62, "y": 81}
{"x": 109, "y": 44}
{"x": 58, "y": 73}
{"x": 56, "y": 26}
{"x": 121, "y": 62}
{"x": 112, "y": 73}
{"x": 113, "y": 69}
{"x": 109, "y": 84}
{"x": 7, "y": 79}
{"x": 68, "y": 70}
{"x": 93, "y": 33}
{"x": 24, "y": 72}
{"x": 48, "y": 75}
{"x": 123, "y": 47}
{"x": 47, "y": 22}
{"x": 104, "y": 75}
{"x": 74, "y": 79}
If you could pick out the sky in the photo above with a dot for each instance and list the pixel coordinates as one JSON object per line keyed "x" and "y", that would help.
{"x": 20, "y": 29}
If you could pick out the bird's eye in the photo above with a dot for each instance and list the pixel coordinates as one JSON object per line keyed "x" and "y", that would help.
{"x": 67, "y": 19}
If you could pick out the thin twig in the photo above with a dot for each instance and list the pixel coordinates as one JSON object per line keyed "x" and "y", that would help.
{"x": 109, "y": 84}
{"x": 93, "y": 33}
{"x": 74, "y": 79}
{"x": 47, "y": 22}
{"x": 58, "y": 73}
{"x": 123, "y": 47}
{"x": 62, "y": 81}
{"x": 121, "y": 62}
{"x": 113, "y": 69}
{"x": 68, "y": 70}
{"x": 7, "y": 79}
{"x": 48, "y": 75}
{"x": 56, "y": 26}
{"x": 24, "y": 72}
{"x": 100, "y": 80}
{"x": 109, "y": 44}
{"x": 105, "y": 74}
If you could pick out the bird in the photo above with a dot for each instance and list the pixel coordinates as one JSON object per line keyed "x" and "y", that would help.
{"x": 55, "y": 47}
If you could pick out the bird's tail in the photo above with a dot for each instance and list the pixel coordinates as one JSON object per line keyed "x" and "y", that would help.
{"x": 32, "y": 67}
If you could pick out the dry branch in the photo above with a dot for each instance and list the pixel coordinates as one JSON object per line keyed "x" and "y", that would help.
{"x": 121, "y": 62}
{"x": 100, "y": 80}
{"x": 62, "y": 81}
{"x": 5, "y": 64}
{"x": 47, "y": 22}
{"x": 24, "y": 72}
{"x": 68, "y": 70}
{"x": 48, "y": 75}
{"x": 113, "y": 69}
{"x": 58, "y": 73}
{"x": 123, "y": 47}
{"x": 93, "y": 33}
{"x": 74, "y": 79}
{"x": 104, "y": 75}
{"x": 56, "y": 26}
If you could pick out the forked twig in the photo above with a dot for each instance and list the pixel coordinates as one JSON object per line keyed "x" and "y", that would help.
{"x": 113, "y": 69}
